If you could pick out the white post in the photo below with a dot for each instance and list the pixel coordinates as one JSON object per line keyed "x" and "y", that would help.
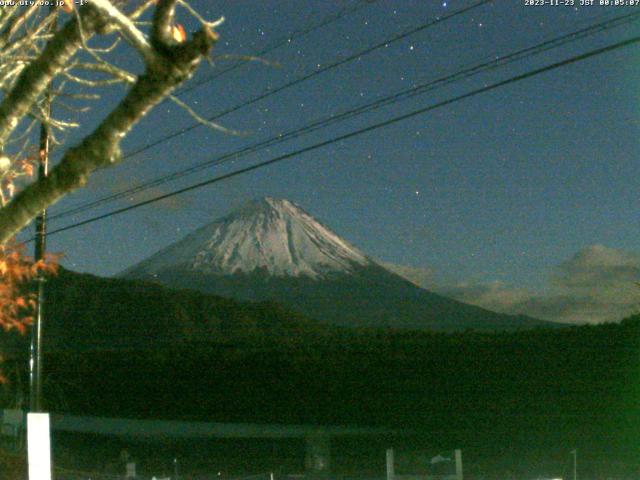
{"x": 38, "y": 446}
{"x": 458, "y": 464}
{"x": 390, "y": 465}
{"x": 130, "y": 470}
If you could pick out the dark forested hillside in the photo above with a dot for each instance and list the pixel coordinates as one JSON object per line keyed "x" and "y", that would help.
{"x": 122, "y": 348}
{"x": 370, "y": 296}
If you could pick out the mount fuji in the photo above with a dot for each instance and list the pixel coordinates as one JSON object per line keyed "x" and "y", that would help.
{"x": 272, "y": 236}
{"x": 272, "y": 250}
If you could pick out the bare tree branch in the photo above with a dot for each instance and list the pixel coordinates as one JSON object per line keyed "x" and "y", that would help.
{"x": 108, "y": 69}
{"x": 35, "y": 78}
{"x": 28, "y": 38}
{"x": 137, "y": 13}
{"x": 16, "y": 23}
{"x": 127, "y": 28}
{"x": 169, "y": 66}
{"x": 197, "y": 16}
{"x": 163, "y": 21}
{"x": 199, "y": 118}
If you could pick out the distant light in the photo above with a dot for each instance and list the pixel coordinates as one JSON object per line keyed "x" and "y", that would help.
{"x": 444, "y": 4}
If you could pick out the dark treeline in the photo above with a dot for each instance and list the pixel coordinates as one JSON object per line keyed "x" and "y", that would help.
{"x": 129, "y": 349}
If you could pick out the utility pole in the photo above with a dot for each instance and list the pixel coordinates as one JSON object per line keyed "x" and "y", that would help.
{"x": 35, "y": 373}
{"x": 391, "y": 475}
{"x": 38, "y": 422}
{"x": 574, "y": 452}
{"x": 458, "y": 456}
{"x": 38, "y": 426}
{"x": 35, "y": 357}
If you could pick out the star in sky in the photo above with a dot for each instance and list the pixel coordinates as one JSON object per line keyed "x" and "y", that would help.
{"x": 455, "y": 153}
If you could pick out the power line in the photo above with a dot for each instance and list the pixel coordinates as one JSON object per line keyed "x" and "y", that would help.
{"x": 308, "y": 76}
{"x": 281, "y": 42}
{"x": 360, "y": 131}
{"x": 390, "y": 99}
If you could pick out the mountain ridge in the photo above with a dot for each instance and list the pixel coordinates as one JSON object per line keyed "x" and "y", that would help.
{"x": 272, "y": 234}
{"x": 272, "y": 250}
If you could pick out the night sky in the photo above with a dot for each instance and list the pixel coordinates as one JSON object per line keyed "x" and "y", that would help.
{"x": 525, "y": 195}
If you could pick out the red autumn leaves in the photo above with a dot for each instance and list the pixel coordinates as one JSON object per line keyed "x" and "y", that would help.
{"x": 17, "y": 297}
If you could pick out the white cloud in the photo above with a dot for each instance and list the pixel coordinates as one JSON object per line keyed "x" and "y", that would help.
{"x": 597, "y": 284}
{"x": 494, "y": 296}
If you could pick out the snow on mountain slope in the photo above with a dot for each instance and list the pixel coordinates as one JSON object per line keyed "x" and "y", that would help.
{"x": 269, "y": 235}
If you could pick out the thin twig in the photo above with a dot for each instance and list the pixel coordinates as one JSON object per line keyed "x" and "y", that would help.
{"x": 202, "y": 120}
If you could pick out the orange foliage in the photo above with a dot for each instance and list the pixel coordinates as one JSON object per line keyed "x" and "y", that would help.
{"x": 17, "y": 300}
{"x": 67, "y": 6}
{"x": 178, "y": 32}
{"x": 23, "y": 167}
{"x": 17, "y": 271}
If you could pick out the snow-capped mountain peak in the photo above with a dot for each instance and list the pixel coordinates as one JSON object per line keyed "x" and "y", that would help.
{"x": 271, "y": 235}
